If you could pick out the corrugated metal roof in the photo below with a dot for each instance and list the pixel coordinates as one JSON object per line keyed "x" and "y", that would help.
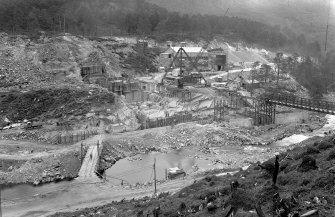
{"x": 190, "y": 49}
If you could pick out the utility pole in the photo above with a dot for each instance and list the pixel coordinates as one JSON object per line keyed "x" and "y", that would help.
{"x": 98, "y": 148}
{"x": 81, "y": 153}
{"x": 181, "y": 63}
{"x": 154, "y": 176}
{"x": 226, "y": 12}
{"x": 327, "y": 27}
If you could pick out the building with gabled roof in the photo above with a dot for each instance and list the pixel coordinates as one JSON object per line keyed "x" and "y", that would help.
{"x": 196, "y": 53}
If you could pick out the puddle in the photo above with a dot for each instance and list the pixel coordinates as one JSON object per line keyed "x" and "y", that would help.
{"x": 139, "y": 169}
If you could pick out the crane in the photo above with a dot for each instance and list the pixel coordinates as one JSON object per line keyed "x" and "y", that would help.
{"x": 183, "y": 76}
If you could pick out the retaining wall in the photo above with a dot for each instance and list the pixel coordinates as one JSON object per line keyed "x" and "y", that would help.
{"x": 288, "y": 118}
{"x": 242, "y": 122}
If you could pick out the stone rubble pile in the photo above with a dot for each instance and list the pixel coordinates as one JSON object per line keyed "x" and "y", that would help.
{"x": 25, "y": 135}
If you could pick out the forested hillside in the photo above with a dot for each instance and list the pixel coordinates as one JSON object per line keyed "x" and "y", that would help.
{"x": 306, "y": 17}
{"x": 137, "y": 17}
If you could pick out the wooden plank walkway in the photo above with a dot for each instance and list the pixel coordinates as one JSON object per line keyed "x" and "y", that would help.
{"x": 302, "y": 103}
{"x": 90, "y": 164}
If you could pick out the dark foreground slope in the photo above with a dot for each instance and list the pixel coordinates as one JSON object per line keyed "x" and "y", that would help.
{"x": 303, "y": 185}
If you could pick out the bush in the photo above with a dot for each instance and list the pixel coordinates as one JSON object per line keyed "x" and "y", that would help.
{"x": 211, "y": 198}
{"x": 308, "y": 163}
{"x": 201, "y": 195}
{"x": 209, "y": 178}
{"x": 312, "y": 150}
{"x": 309, "y": 151}
{"x": 305, "y": 182}
{"x": 301, "y": 190}
{"x": 331, "y": 155}
{"x": 324, "y": 182}
{"x": 283, "y": 180}
{"x": 325, "y": 145}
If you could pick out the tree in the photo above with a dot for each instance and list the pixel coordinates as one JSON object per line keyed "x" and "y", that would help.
{"x": 254, "y": 73}
{"x": 278, "y": 60}
{"x": 301, "y": 40}
{"x": 131, "y": 22}
{"x": 289, "y": 65}
{"x": 310, "y": 76}
{"x": 143, "y": 26}
{"x": 314, "y": 49}
{"x": 154, "y": 20}
{"x": 328, "y": 66}
{"x": 45, "y": 20}
{"x": 267, "y": 70}
{"x": 33, "y": 23}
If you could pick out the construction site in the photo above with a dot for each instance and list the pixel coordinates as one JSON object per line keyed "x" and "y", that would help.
{"x": 136, "y": 124}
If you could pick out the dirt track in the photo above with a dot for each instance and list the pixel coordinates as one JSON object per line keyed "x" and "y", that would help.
{"x": 72, "y": 196}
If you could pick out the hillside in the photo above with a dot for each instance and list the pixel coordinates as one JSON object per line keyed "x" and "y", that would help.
{"x": 306, "y": 17}
{"x": 138, "y": 17}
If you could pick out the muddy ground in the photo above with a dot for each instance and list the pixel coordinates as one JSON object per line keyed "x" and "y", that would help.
{"x": 29, "y": 162}
{"x": 36, "y": 164}
{"x": 208, "y": 142}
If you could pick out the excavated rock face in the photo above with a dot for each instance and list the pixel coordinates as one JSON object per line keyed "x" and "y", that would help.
{"x": 59, "y": 58}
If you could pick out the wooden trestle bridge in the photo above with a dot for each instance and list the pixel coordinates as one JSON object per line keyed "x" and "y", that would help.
{"x": 302, "y": 103}
{"x": 263, "y": 110}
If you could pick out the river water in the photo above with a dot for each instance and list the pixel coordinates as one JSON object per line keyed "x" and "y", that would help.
{"x": 138, "y": 169}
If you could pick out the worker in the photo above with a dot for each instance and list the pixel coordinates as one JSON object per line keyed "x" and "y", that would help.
{"x": 173, "y": 122}
{"x": 91, "y": 156}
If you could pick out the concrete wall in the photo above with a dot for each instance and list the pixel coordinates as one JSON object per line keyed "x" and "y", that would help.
{"x": 136, "y": 96}
{"x": 288, "y": 118}
{"x": 241, "y": 122}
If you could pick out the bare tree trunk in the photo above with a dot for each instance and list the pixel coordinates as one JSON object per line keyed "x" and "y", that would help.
{"x": 278, "y": 76}
{"x": 252, "y": 82}
{"x": 259, "y": 211}
{"x": 60, "y": 24}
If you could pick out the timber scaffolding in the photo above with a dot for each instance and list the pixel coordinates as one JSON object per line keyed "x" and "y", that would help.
{"x": 121, "y": 87}
{"x": 184, "y": 95}
{"x": 261, "y": 111}
{"x": 73, "y": 137}
{"x": 265, "y": 113}
{"x": 92, "y": 70}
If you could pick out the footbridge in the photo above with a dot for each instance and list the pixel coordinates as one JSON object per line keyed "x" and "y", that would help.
{"x": 302, "y": 103}
{"x": 263, "y": 110}
{"x": 91, "y": 163}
